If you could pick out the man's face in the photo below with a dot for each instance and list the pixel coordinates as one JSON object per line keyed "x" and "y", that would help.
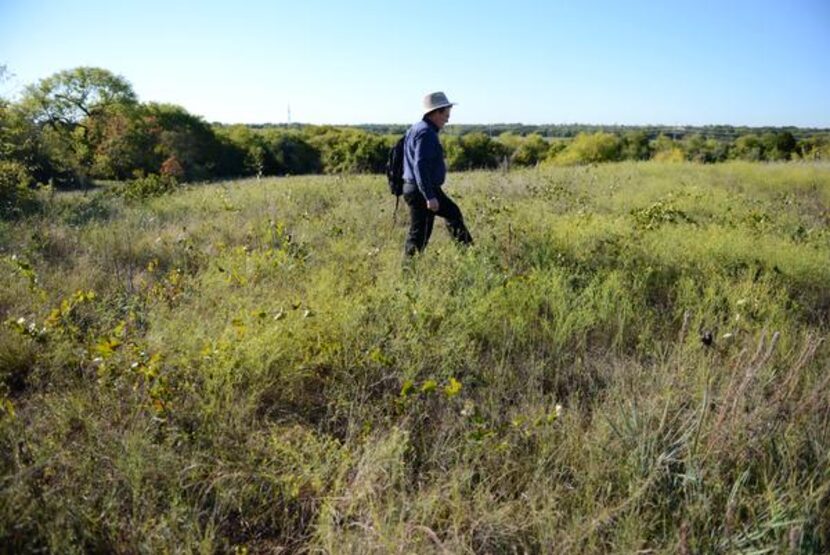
{"x": 441, "y": 117}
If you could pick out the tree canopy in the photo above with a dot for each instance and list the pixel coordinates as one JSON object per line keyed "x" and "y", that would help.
{"x": 71, "y": 96}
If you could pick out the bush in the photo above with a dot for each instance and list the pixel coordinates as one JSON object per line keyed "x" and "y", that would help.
{"x": 635, "y": 146}
{"x": 474, "y": 151}
{"x": 674, "y": 154}
{"x": 350, "y": 151}
{"x": 666, "y": 150}
{"x": 813, "y": 148}
{"x": 532, "y": 150}
{"x": 292, "y": 153}
{"x": 589, "y": 149}
{"x": 149, "y": 187}
{"x": 16, "y": 196}
{"x": 187, "y": 137}
{"x": 172, "y": 168}
{"x": 748, "y": 147}
{"x": 707, "y": 151}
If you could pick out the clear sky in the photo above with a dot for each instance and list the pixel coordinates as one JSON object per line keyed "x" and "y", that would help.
{"x": 741, "y": 62}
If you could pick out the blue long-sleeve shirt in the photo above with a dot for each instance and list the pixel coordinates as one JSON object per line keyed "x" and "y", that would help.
{"x": 423, "y": 163}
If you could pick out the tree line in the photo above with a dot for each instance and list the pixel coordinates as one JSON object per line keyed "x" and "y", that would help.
{"x": 87, "y": 124}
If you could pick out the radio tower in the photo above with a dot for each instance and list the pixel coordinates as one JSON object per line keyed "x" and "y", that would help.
{"x": 289, "y": 114}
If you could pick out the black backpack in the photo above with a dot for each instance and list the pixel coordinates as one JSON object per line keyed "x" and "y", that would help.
{"x": 394, "y": 168}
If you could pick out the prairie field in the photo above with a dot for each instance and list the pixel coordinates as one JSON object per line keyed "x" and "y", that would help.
{"x": 632, "y": 357}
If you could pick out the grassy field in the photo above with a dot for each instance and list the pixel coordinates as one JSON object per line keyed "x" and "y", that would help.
{"x": 631, "y": 357}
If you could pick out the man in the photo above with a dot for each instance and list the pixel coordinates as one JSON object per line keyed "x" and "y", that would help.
{"x": 424, "y": 172}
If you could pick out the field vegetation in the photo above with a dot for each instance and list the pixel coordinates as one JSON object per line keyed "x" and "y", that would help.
{"x": 632, "y": 356}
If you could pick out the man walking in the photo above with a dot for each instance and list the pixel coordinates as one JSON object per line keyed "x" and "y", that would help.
{"x": 424, "y": 172}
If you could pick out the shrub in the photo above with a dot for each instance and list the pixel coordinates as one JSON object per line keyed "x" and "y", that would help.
{"x": 635, "y": 146}
{"x": 16, "y": 196}
{"x": 350, "y": 151}
{"x": 589, "y": 149}
{"x": 532, "y": 150}
{"x": 172, "y": 168}
{"x": 674, "y": 154}
{"x": 666, "y": 150}
{"x": 149, "y": 187}
{"x": 474, "y": 151}
{"x": 292, "y": 153}
{"x": 814, "y": 148}
{"x": 186, "y": 136}
{"x": 748, "y": 147}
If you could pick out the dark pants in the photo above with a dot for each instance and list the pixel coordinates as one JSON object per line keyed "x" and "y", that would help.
{"x": 422, "y": 218}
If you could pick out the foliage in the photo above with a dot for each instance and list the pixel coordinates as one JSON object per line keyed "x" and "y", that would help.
{"x": 68, "y": 106}
{"x": 68, "y": 98}
{"x": 635, "y": 146}
{"x": 293, "y": 153}
{"x": 666, "y": 150}
{"x": 252, "y": 154}
{"x": 814, "y": 148}
{"x": 187, "y": 137}
{"x": 474, "y": 151}
{"x": 123, "y": 143}
{"x": 151, "y": 186}
{"x": 22, "y": 142}
{"x": 696, "y": 148}
{"x": 172, "y": 168}
{"x": 769, "y": 146}
{"x": 350, "y": 151}
{"x": 748, "y": 147}
{"x": 247, "y": 151}
{"x": 590, "y": 149}
{"x": 531, "y": 151}
{"x": 16, "y": 196}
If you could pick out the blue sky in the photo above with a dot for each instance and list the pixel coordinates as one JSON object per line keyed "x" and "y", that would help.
{"x": 626, "y": 62}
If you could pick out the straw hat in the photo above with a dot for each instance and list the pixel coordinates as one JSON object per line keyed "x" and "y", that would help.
{"x": 436, "y": 100}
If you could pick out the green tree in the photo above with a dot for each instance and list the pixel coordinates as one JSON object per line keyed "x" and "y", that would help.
{"x": 16, "y": 196}
{"x": 293, "y": 154}
{"x": 748, "y": 147}
{"x": 67, "y": 105}
{"x": 257, "y": 158}
{"x": 589, "y": 149}
{"x": 635, "y": 146}
{"x": 17, "y": 158}
{"x": 511, "y": 140}
{"x": 122, "y": 143}
{"x": 816, "y": 147}
{"x": 349, "y": 150}
{"x": 186, "y": 137}
{"x": 778, "y": 146}
{"x": 532, "y": 150}
{"x": 69, "y": 97}
{"x": 18, "y": 136}
{"x": 474, "y": 151}
{"x": 697, "y": 148}
{"x": 665, "y": 149}
{"x": 230, "y": 158}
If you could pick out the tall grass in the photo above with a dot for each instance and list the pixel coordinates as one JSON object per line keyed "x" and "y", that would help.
{"x": 632, "y": 357}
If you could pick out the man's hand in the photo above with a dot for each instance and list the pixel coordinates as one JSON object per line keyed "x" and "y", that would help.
{"x": 432, "y": 204}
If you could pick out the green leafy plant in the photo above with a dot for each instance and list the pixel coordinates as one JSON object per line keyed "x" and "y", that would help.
{"x": 148, "y": 187}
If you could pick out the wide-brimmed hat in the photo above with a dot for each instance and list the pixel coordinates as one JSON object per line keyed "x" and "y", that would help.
{"x": 436, "y": 100}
